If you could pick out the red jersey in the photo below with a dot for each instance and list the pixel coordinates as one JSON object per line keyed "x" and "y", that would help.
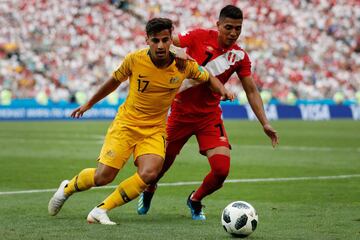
{"x": 195, "y": 100}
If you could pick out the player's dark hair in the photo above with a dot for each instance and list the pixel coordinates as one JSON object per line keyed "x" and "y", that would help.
{"x": 231, "y": 11}
{"x": 157, "y": 25}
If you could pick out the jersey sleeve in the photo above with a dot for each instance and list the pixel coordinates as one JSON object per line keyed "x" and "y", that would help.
{"x": 124, "y": 70}
{"x": 186, "y": 39}
{"x": 244, "y": 67}
{"x": 196, "y": 72}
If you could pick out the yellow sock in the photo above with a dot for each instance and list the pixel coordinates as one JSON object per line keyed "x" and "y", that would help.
{"x": 127, "y": 190}
{"x": 81, "y": 182}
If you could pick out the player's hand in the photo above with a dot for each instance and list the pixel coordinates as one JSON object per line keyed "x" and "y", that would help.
{"x": 181, "y": 58}
{"x": 272, "y": 134}
{"x": 228, "y": 95}
{"x": 79, "y": 112}
{"x": 181, "y": 54}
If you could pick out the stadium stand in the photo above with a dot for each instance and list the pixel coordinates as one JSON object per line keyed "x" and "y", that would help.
{"x": 299, "y": 49}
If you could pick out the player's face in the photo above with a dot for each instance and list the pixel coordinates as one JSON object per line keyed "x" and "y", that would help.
{"x": 159, "y": 44}
{"x": 229, "y": 31}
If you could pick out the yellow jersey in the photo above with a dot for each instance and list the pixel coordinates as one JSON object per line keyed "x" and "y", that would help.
{"x": 151, "y": 89}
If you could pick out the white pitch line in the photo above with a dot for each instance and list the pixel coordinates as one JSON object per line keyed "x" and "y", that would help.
{"x": 291, "y": 148}
{"x": 249, "y": 180}
{"x": 301, "y": 148}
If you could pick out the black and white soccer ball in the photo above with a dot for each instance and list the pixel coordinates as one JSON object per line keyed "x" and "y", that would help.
{"x": 239, "y": 219}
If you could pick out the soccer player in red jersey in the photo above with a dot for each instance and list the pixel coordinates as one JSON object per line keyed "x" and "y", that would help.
{"x": 195, "y": 109}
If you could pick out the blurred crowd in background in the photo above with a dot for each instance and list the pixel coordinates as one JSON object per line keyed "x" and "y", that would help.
{"x": 61, "y": 50}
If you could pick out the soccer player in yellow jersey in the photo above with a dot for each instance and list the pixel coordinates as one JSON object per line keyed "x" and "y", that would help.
{"x": 139, "y": 127}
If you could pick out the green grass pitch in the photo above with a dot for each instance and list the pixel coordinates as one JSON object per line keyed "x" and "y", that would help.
{"x": 38, "y": 155}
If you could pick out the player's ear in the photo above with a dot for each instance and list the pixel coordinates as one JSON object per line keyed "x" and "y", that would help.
{"x": 218, "y": 24}
{"x": 147, "y": 40}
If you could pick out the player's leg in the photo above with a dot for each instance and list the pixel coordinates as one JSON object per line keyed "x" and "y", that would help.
{"x": 112, "y": 157}
{"x": 91, "y": 177}
{"x": 149, "y": 166}
{"x": 178, "y": 134}
{"x": 219, "y": 160}
{"x": 149, "y": 157}
{"x": 172, "y": 150}
{"x": 103, "y": 175}
{"x": 214, "y": 144}
{"x": 86, "y": 179}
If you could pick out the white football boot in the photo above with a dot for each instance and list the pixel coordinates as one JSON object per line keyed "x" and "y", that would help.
{"x": 98, "y": 215}
{"x": 58, "y": 199}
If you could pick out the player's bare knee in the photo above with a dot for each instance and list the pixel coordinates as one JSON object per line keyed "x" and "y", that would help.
{"x": 103, "y": 179}
{"x": 104, "y": 174}
{"x": 149, "y": 176}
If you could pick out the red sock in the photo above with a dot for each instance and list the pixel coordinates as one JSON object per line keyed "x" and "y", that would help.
{"x": 220, "y": 165}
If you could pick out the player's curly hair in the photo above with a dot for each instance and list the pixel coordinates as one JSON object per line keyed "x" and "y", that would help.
{"x": 157, "y": 25}
{"x": 231, "y": 11}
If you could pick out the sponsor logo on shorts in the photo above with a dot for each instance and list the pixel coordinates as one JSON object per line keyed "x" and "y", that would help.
{"x": 223, "y": 139}
{"x": 110, "y": 153}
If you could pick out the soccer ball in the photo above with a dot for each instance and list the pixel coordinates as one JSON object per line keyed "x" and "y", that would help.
{"x": 239, "y": 219}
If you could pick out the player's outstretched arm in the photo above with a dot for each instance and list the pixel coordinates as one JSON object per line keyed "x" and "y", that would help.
{"x": 217, "y": 86}
{"x": 257, "y": 106}
{"x": 108, "y": 87}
